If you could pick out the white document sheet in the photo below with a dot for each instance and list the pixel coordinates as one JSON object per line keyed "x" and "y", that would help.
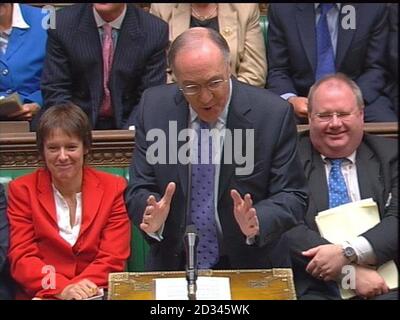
{"x": 208, "y": 288}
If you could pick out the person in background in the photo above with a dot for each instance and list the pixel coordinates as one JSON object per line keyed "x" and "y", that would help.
{"x": 393, "y": 54}
{"x": 239, "y": 215}
{"x": 239, "y": 24}
{"x": 101, "y": 57}
{"x": 344, "y": 164}
{"x": 22, "y": 51}
{"x": 307, "y": 41}
{"x": 6, "y": 285}
{"x": 68, "y": 223}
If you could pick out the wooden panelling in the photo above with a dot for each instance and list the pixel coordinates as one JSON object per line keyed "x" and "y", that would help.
{"x": 111, "y": 148}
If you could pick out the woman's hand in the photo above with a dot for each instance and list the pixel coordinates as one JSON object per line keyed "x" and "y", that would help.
{"x": 78, "y": 291}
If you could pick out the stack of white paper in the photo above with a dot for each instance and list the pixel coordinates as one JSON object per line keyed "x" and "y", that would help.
{"x": 208, "y": 288}
{"x": 348, "y": 221}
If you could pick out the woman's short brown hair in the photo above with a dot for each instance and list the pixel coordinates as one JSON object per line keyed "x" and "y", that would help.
{"x": 67, "y": 117}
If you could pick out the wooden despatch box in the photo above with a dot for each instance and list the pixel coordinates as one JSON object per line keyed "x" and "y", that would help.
{"x": 271, "y": 284}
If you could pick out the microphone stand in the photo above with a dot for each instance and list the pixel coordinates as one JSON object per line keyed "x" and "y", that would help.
{"x": 191, "y": 241}
{"x": 191, "y": 238}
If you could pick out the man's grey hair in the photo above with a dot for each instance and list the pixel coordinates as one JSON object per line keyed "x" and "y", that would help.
{"x": 340, "y": 77}
{"x": 193, "y": 38}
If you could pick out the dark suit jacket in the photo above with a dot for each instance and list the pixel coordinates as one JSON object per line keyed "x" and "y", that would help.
{"x": 73, "y": 69}
{"x": 360, "y": 54}
{"x": 6, "y": 286}
{"x": 377, "y": 172}
{"x": 393, "y": 54}
{"x": 103, "y": 244}
{"x": 277, "y": 183}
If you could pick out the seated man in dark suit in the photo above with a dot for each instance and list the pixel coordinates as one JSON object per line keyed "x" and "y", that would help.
{"x": 336, "y": 152}
{"x": 309, "y": 40}
{"x": 101, "y": 57}
{"x": 6, "y": 285}
{"x": 239, "y": 208}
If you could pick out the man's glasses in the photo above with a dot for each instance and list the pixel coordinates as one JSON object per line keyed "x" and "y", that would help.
{"x": 193, "y": 89}
{"x": 328, "y": 116}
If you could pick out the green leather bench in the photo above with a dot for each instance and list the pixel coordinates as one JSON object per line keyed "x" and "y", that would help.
{"x": 264, "y": 27}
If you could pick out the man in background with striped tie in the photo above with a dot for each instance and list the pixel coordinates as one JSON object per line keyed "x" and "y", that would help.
{"x": 101, "y": 57}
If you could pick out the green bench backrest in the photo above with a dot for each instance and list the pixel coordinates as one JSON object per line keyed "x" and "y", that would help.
{"x": 264, "y": 27}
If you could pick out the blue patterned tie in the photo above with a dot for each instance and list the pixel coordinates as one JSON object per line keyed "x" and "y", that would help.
{"x": 202, "y": 204}
{"x": 338, "y": 194}
{"x": 325, "y": 56}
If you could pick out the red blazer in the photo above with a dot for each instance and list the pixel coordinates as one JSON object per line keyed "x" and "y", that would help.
{"x": 102, "y": 247}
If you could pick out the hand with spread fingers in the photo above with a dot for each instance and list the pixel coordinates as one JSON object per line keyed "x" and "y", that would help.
{"x": 156, "y": 213}
{"x": 245, "y": 214}
{"x": 327, "y": 261}
{"x": 78, "y": 291}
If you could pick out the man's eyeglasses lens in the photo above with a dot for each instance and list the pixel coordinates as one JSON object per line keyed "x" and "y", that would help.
{"x": 193, "y": 89}
{"x": 328, "y": 116}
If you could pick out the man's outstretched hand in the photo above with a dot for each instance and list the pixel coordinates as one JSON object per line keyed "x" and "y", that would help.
{"x": 156, "y": 213}
{"x": 245, "y": 214}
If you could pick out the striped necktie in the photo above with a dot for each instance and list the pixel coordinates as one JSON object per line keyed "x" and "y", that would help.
{"x": 106, "y": 106}
{"x": 325, "y": 55}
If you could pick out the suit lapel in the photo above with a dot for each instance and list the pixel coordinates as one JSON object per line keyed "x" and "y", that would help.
{"x": 89, "y": 49}
{"x": 17, "y": 38}
{"x": 45, "y": 194}
{"x": 345, "y": 37}
{"x": 92, "y": 195}
{"x": 237, "y": 120}
{"x": 369, "y": 174}
{"x": 305, "y": 19}
{"x": 314, "y": 170}
{"x": 180, "y": 20}
{"x": 182, "y": 123}
{"x": 318, "y": 181}
{"x": 126, "y": 53}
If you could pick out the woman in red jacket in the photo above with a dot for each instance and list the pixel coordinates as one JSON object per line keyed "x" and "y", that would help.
{"x": 68, "y": 223}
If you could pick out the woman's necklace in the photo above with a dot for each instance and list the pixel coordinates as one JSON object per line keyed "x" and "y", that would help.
{"x": 201, "y": 17}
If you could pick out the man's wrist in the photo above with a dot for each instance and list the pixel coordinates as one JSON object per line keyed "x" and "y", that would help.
{"x": 349, "y": 252}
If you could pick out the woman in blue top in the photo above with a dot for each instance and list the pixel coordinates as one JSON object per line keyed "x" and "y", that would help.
{"x": 23, "y": 38}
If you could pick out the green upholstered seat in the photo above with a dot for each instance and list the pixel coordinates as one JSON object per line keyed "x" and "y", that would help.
{"x": 264, "y": 27}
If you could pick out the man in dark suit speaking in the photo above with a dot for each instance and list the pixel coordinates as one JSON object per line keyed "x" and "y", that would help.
{"x": 240, "y": 205}
{"x": 102, "y": 56}
{"x": 342, "y": 164}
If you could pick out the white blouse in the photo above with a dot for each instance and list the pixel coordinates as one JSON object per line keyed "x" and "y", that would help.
{"x": 67, "y": 232}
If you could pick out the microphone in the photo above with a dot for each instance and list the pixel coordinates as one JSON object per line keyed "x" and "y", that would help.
{"x": 191, "y": 240}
